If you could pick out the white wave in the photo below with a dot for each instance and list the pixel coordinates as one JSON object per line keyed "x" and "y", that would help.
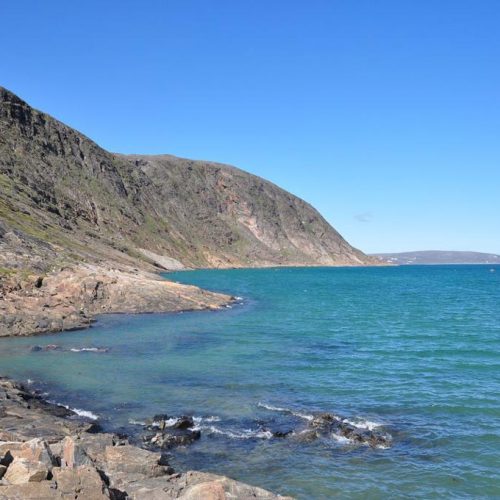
{"x": 77, "y": 411}
{"x": 244, "y": 434}
{"x": 29, "y": 381}
{"x": 238, "y": 297}
{"x": 136, "y": 422}
{"x": 341, "y": 439}
{"x": 89, "y": 349}
{"x": 212, "y": 418}
{"x": 272, "y": 408}
{"x": 361, "y": 423}
{"x": 305, "y": 416}
{"x": 169, "y": 422}
{"x": 85, "y": 413}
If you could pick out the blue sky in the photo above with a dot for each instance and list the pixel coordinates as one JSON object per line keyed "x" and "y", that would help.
{"x": 383, "y": 114}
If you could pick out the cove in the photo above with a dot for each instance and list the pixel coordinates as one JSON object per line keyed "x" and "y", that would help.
{"x": 413, "y": 350}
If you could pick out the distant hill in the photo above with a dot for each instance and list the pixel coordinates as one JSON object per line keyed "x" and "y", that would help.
{"x": 439, "y": 257}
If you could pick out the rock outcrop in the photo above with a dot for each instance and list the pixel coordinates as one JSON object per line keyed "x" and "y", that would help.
{"x": 70, "y": 298}
{"x": 46, "y": 456}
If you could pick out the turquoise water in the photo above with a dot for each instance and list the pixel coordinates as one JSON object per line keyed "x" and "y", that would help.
{"x": 414, "y": 349}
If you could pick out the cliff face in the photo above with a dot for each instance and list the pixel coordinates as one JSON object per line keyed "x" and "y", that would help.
{"x": 65, "y": 199}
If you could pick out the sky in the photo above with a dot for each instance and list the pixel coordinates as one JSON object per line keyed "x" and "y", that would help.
{"x": 383, "y": 114}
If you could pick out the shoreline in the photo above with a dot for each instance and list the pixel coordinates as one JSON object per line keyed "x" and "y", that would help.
{"x": 71, "y": 298}
{"x": 47, "y": 451}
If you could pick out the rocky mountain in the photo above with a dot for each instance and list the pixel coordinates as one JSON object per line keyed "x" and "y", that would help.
{"x": 63, "y": 198}
{"x": 439, "y": 257}
{"x": 83, "y": 231}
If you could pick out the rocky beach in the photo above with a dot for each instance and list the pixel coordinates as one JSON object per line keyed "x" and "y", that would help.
{"x": 47, "y": 452}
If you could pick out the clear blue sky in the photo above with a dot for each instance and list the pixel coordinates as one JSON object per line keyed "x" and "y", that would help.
{"x": 384, "y": 114}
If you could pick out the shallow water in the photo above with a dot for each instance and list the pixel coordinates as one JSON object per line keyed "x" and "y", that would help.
{"x": 413, "y": 349}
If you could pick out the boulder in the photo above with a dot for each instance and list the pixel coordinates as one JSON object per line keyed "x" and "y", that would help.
{"x": 36, "y": 450}
{"x": 194, "y": 485}
{"x": 22, "y": 471}
{"x": 30, "y": 491}
{"x": 80, "y": 482}
{"x": 95, "y": 445}
{"x": 133, "y": 460}
{"x": 73, "y": 454}
{"x": 211, "y": 490}
{"x": 184, "y": 422}
{"x": 166, "y": 440}
{"x": 6, "y": 451}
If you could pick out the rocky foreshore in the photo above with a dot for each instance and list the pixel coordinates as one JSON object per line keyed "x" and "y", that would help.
{"x": 45, "y": 453}
{"x": 71, "y": 297}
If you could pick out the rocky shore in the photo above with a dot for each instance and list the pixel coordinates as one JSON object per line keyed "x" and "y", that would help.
{"x": 45, "y": 453}
{"x": 71, "y": 297}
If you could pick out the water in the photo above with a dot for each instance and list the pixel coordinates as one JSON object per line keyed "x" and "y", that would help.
{"x": 414, "y": 349}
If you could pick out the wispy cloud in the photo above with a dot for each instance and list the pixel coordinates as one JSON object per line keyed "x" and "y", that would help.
{"x": 363, "y": 217}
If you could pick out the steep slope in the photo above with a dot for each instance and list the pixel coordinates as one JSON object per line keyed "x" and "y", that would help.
{"x": 65, "y": 199}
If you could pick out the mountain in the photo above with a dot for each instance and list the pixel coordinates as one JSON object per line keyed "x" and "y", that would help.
{"x": 439, "y": 257}
{"x": 68, "y": 199}
{"x": 84, "y": 231}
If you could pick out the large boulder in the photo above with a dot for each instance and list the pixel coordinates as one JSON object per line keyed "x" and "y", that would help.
{"x": 73, "y": 454}
{"x": 194, "y": 485}
{"x": 36, "y": 450}
{"x": 80, "y": 482}
{"x": 22, "y": 470}
{"x": 30, "y": 491}
{"x": 133, "y": 460}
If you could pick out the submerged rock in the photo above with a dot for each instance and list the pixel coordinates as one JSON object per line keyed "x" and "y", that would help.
{"x": 172, "y": 439}
{"x": 184, "y": 423}
{"x": 328, "y": 424}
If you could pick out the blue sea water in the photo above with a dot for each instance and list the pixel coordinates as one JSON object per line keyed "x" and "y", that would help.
{"x": 413, "y": 350}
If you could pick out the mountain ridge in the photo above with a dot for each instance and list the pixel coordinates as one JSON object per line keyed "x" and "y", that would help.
{"x": 200, "y": 213}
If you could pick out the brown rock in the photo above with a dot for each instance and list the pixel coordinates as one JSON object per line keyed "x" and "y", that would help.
{"x": 212, "y": 490}
{"x": 46, "y": 490}
{"x": 35, "y": 450}
{"x": 73, "y": 455}
{"x": 81, "y": 482}
{"x": 133, "y": 460}
{"x": 22, "y": 470}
